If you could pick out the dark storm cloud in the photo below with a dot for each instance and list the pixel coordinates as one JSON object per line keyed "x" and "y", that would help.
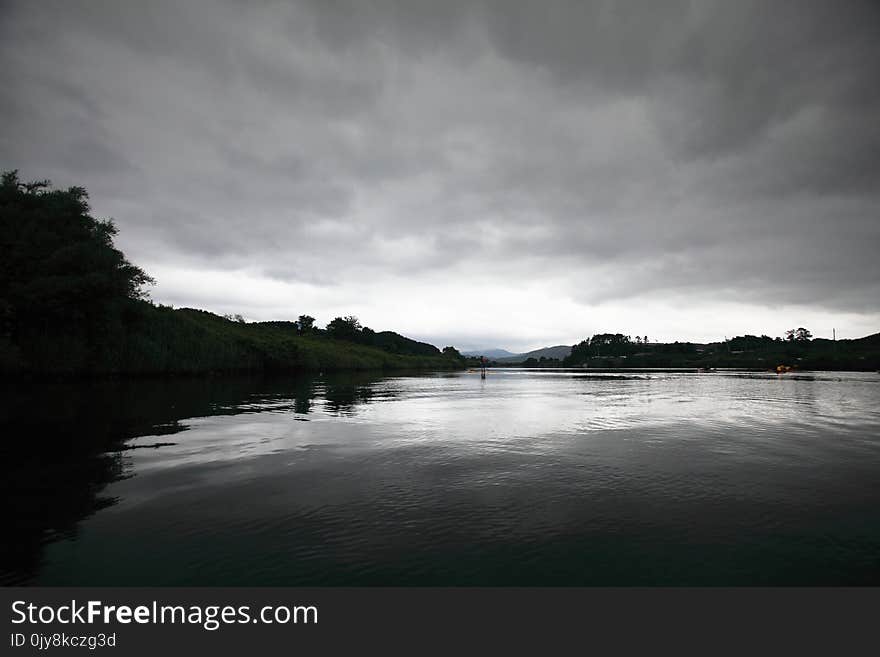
{"x": 728, "y": 151}
{"x": 723, "y": 72}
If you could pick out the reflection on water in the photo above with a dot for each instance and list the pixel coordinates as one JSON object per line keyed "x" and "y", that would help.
{"x": 528, "y": 477}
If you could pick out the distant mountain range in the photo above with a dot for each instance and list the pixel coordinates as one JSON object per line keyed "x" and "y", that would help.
{"x": 489, "y": 353}
{"x": 504, "y": 356}
{"x": 559, "y": 351}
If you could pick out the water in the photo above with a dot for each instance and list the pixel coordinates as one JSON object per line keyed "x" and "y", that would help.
{"x": 529, "y": 477}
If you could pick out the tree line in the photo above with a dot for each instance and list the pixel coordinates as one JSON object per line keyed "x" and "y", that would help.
{"x": 796, "y": 348}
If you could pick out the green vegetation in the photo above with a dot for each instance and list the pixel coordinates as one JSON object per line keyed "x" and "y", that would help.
{"x": 798, "y": 349}
{"x": 71, "y": 304}
{"x": 543, "y": 361}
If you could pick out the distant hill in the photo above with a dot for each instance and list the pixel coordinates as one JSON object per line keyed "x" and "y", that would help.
{"x": 873, "y": 339}
{"x": 559, "y": 352}
{"x": 397, "y": 344}
{"x": 389, "y": 341}
{"x": 490, "y": 353}
{"x": 743, "y": 351}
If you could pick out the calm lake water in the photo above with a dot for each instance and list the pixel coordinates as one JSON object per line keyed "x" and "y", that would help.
{"x": 529, "y": 477}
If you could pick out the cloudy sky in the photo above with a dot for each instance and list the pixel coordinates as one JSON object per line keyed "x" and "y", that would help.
{"x": 483, "y": 174}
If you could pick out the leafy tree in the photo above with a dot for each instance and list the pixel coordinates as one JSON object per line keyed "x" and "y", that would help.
{"x": 54, "y": 252}
{"x": 579, "y": 355}
{"x": 750, "y": 342}
{"x": 64, "y": 286}
{"x": 610, "y": 344}
{"x": 451, "y": 352}
{"x": 305, "y": 324}
{"x": 798, "y": 335}
{"x": 344, "y": 328}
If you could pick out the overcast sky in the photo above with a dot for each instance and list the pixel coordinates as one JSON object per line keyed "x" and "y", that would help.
{"x": 510, "y": 174}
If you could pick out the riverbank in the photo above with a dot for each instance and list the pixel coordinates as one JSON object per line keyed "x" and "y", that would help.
{"x": 148, "y": 340}
{"x": 742, "y": 352}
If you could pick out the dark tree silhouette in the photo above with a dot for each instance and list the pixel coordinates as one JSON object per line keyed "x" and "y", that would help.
{"x": 63, "y": 283}
{"x": 798, "y": 335}
{"x": 305, "y": 324}
{"x": 344, "y": 328}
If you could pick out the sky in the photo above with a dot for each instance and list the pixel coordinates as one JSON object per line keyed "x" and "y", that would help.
{"x": 478, "y": 174}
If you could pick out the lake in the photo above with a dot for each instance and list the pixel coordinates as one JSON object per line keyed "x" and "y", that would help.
{"x": 530, "y": 477}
